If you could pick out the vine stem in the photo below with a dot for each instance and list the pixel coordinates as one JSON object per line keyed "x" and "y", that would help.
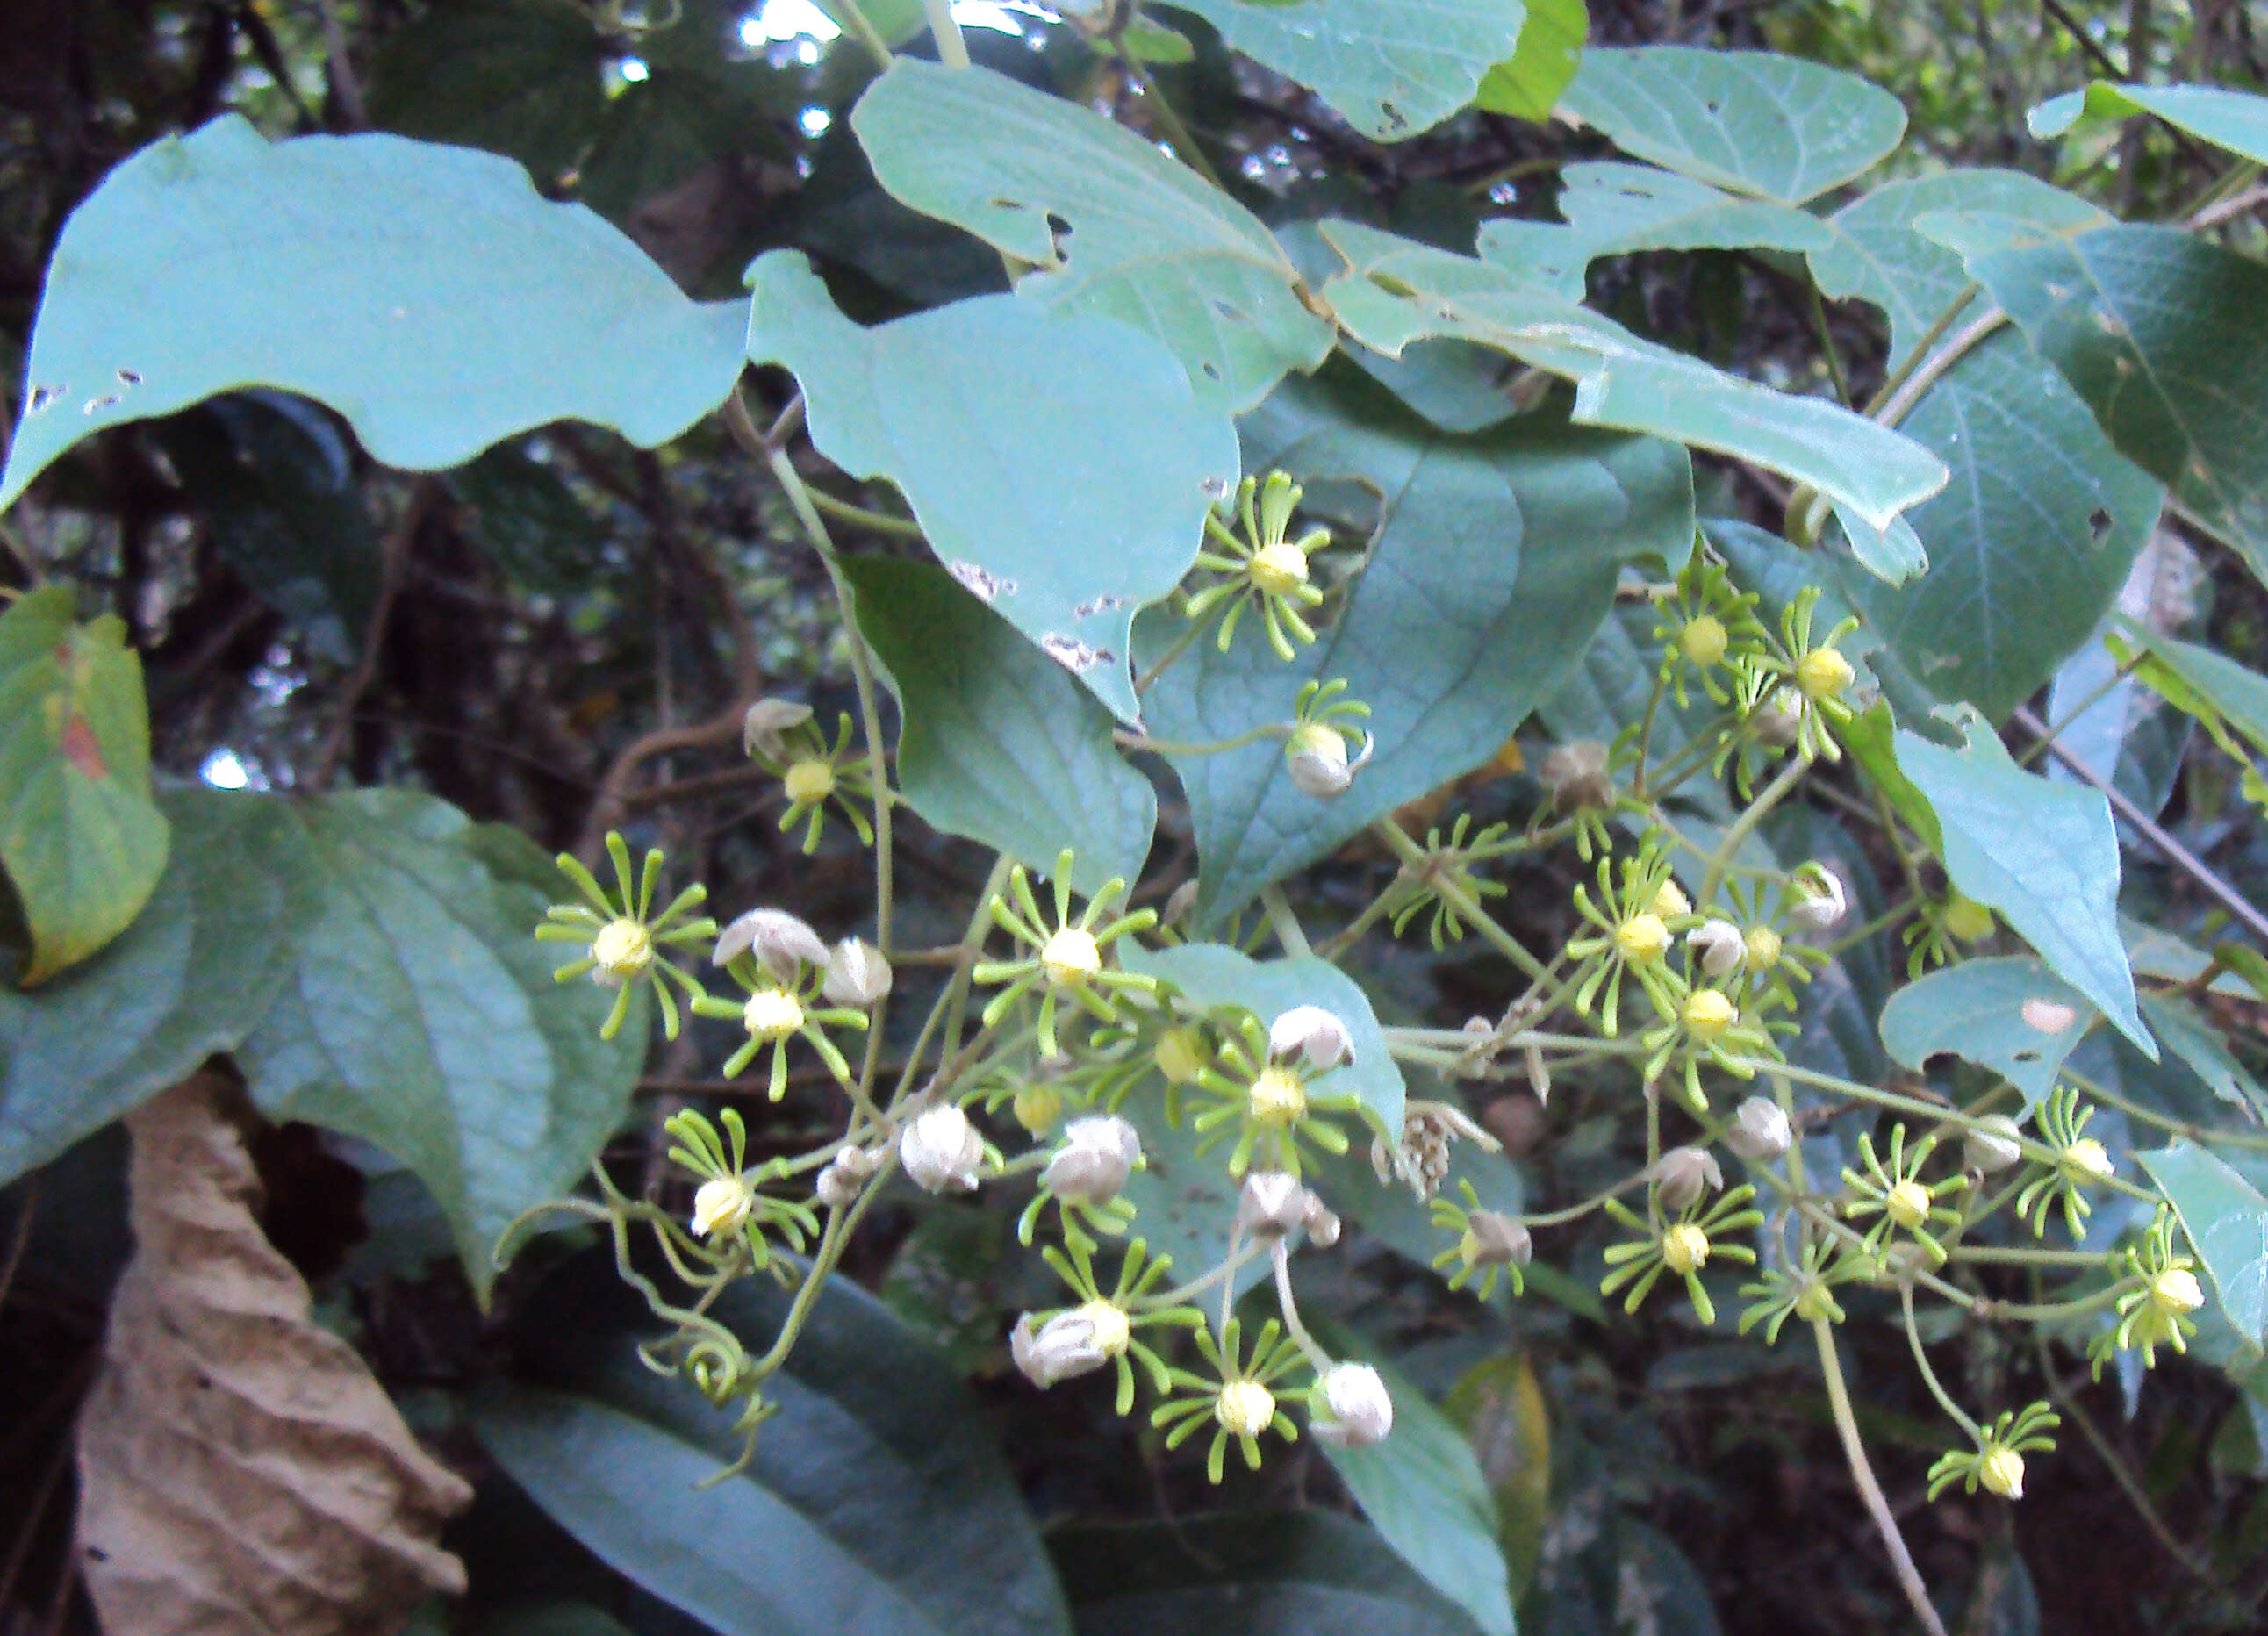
{"x": 1456, "y": 898}
{"x": 952, "y": 49}
{"x": 1176, "y": 134}
{"x": 1838, "y": 1399}
{"x": 1284, "y": 924}
{"x": 865, "y": 33}
{"x": 1745, "y": 825}
{"x": 1929, "y": 1375}
{"x": 1126, "y": 740}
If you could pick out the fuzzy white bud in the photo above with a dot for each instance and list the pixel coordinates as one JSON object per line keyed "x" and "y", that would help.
{"x": 1683, "y": 1173}
{"x": 1780, "y": 723}
{"x": 1096, "y": 1157}
{"x": 1067, "y": 1345}
{"x": 1817, "y": 899}
{"x": 764, "y": 730}
{"x": 1718, "y": 945}
{"x": 1311, "y": 1032}
{"x": 782, "y": 944}
{"x": 1315, "y": 756}
{"x": 1760, "y": 1131}
{"x": 723, "y": 1204}
{"x": 846, "y": 1173}
{"x": 1994, "y": 1143}
{"x": 1351, "y": 1407}
{"x": 940, "y": 1149}
{"x": 857, "y": 975}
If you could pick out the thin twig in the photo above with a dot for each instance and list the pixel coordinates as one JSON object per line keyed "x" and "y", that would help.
{"x": 1854, "y": 1452}
{"x": 2214, "y": 215}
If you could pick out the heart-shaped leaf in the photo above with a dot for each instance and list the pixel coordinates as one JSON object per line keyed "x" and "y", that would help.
{"x": 2010, "y": 1014}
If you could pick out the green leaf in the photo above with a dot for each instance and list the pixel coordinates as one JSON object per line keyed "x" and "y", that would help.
{"x": 529, "y": 522}
{"x": 1149, "y": 242}
{"x": 1976, "y": 1011}
{"x": 1397, "y": 292}
{"x": 425, "y": 293}
{"x": 1253, "y": 1574}
{"x": 876, "y": 1500}
{"x": 2197, "y": 1042}
{"x": 999, "y": 744}
{"x": 1876, "y": 254}
{"x": 1527, "y": 86}
{"x": 1057, "y": 462}
{"x": 2234, "y": 120}
{"x": 1495, "y": 560}
{"x": 2161, "y": 335}
{"x": 421, "y": 1015}
{"x": 82, "y": 843}
{"x": 1423, "y": 1489}
{"x": 2027, "y": 546}
{"x": 2044, "y": 855}
{"x": 1500, "y": 1407}
{"x": 2197, "y": 680}
{"x": 517, "y": 78}
{"x": 1749, "y": 120}
{"x": 1214, "y": 974}
{"x": 1392, "y": 71}
{"x": 1613, "y": 210}
{"x": 198, "y": 967}
{"x": 2227, "y": 1221}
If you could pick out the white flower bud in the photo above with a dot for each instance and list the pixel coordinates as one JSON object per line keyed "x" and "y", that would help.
{"x": 1315, "y": 756}
{"x": 723, "y": 1204}
{"x": 1322, "y": 1222}
{"x": 2003, "y": 1471}
{"x": 1683, "y": 1173}
{"x": 1781, "y": 721}
{"x": 1760, "y": 1131}
{"x": 763, "y": 730}
{"x": 1272, "y": 1205}
{"x": 782, "y": 944}
{"x": 1816, "y": 899}
{"x": 1067, "y": 1345}
{"x": 1993, "y": 1144}
{"x": 1351, "y": 1408}
{"x": 1718, "y": 945}
{"x": 857, "y": 975}
{"x": 1314, "y": 1033}
{"x": 941, "y": 1149}
{"x": 839, "y": 1184}
{"x": 1491, "y": 1240}
{"x": 1576, "y": 775}
{"x": 1094, "y": 1160}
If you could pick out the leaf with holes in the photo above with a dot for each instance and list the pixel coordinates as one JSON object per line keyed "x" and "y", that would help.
{"x": 1495, "y": 560}
{"x": 197, "y": 969}
{"x": 2160, "y": 335}
{"x": 2044, "y": 855}
{"x": 1057, "y": 462}
{"x": 1614, "y": 209}
{"x": 2010, "y": 1014}
{"x": 420, "y": 1013}
{"x": 1147, "y": 241}
{"x": 1393, "y": 70}
{"x": 2226, "y": 1221}
{"x": 2234, "y": 120}
{"x": 1527, "y": 85}
{"x": 999, "y": 745}
{"x": 1395, "y": 292}
{"x": 1748, "y": 121}
{"x": 82, "y": 843}
{"x": 426, "y": 293}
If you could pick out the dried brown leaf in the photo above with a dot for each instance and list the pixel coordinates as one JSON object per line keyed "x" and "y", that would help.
{"x": 240, "y": 1472}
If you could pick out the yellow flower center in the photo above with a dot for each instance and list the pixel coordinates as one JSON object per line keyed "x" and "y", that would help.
{"x": 1823, "y": 673}
{"x": 1708, "y": 1014}
{"x": 1908, "y": 1204}
{"x": 1279, "y": 568}
{"x": 1642, "y": 938}
{"x": 1671, "y": 901}
{"x": 722, "y": 1204}
{"x": 1315, "y": 738}
{"x": 1817, "y": 1301}
{"x": 623, "y": 949}
{"x": 1763, "y": 946}
{"x": 1071, "y": 956}
{"x": 1684, "y": 1248}
{"x": 1037, "y": 1107}
{"x": 1245, "y": 1408}
{"x": 1277, "y": 1097}
{"x": 1968, "y": 919}
{"x": 2175, "y": 1290}
{"x": 1179, "y": 1055}
{"x": 771, "y": 1015}
{"x": 1108, "y": 1326}
{"x": 2085, "y": 1160}
{"x": 1704, "y": 639}
{"x": 2003, "y": 1473}
{"x": 809, "y": 782}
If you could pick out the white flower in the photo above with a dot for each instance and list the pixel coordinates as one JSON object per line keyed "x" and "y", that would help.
{"x": 2003, "y": 1471}
{"x": 1315, "y": 756}
{"x": 857, "y": 975}
{"x": 1351, "y": 1407}
{"x": 1683, "y": 1173}
{"x": 763, "y": 730}
{"x": 1993, "y": 1144}
{"x": 1718, "y": 945}
{"x": 941, "y": 1149}
{"x": 1069, "y": 1344}
{"x": 839, "y": 1184}
{"x": 1245, "y": 1408}
{"x": 1817, "y": 900}
{"x": 782, "y": 944}
{"x": 1314, "y": 1033}
{"x": 1094, "y": 1160}
{"x": 1760, "y": 1130}
{"x": 723, "y": 1205}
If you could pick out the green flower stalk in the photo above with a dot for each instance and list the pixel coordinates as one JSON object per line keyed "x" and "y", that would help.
{"x": 624, "y": 939}
{"x": 1448, "y": 864}
{"x": 1896, "y": 1193}
{"x": 1262, "y": 570}
{"x": 1680, "y": 1248}
{"x": 1067, "y": 958}
{"x": 1242, "y": 1403}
